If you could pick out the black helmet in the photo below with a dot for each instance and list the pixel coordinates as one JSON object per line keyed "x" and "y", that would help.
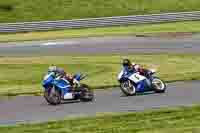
{"x": 126, "y": 62}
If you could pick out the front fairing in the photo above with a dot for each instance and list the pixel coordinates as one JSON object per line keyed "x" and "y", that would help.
{"x": 48, "y": 79}
{"x": 124, "y": 74}
{"x": 120, "y": 75}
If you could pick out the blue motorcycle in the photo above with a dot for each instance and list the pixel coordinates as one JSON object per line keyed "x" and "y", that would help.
{"x": 132, "y": 82}
{"x": 55, "y": 86}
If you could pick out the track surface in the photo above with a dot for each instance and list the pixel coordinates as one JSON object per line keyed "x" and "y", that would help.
{"x": 103, "y": 45}
{"x": 35, "y": 109}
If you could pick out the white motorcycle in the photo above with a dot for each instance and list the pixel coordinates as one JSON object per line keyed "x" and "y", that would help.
{"x": 132, "y": 83}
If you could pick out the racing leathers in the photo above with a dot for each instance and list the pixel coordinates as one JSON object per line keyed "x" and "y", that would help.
{"x": 137, "y": 68}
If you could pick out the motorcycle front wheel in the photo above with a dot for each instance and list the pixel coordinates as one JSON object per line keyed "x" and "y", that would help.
{"x": 127, "y": 88}
{"x": 52, "y": 96}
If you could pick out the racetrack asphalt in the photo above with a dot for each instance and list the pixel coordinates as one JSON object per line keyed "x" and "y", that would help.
{"x": 28, "y": 109}
{"x": 35, "y": 109}
{"x": 103, "y": 45}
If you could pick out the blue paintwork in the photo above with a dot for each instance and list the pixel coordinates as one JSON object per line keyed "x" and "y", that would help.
{"x": 142, "y": 86}
{"x": 60, "y": 84}
{"x": 48, "y": 81}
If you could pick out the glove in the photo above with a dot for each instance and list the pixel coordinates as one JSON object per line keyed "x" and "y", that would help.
{"x": 76, "y": 83}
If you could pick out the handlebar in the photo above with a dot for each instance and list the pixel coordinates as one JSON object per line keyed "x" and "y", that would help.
{"x": 79, "y": 76}
{"x": 83, "y": 76}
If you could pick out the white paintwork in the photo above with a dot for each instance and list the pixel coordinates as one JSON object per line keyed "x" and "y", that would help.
{"x": 136, "y": 77}
{"x": 68, "y": 96}
{"x": 66, "y": 80}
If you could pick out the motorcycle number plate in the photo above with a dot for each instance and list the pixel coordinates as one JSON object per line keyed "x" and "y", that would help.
{"x": 136, "y": 77}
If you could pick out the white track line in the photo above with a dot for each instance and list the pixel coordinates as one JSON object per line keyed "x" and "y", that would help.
{"x": 59, "y": 43}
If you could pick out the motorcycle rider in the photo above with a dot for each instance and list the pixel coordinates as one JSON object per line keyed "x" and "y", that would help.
{"x": 60, "y": 73}
{"x": 133, "y": 67}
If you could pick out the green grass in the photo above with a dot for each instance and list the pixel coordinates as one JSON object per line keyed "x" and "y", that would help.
{"x": 193, "y": 26}
{"x": 24, "y": 74}
{"x": 177, "y": 120}
{"x": 36, "y": 10}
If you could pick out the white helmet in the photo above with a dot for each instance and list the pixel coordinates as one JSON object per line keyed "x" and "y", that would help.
{"x": 52, "y": 68}
{"x": 133, "y": 63}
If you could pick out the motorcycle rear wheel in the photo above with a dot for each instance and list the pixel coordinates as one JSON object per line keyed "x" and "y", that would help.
{"x": 158, "y": 85}
{"x": 86, "y": 94}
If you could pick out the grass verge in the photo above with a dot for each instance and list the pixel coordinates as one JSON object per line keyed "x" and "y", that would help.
{"x": 21, "y": 75}
{"x": 190, "y": 26}
{"x": 176, "y": 120}
{"x": 37, "y": 10}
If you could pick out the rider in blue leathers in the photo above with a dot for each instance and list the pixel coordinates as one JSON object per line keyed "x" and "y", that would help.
{"x": 60, "y": 73}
